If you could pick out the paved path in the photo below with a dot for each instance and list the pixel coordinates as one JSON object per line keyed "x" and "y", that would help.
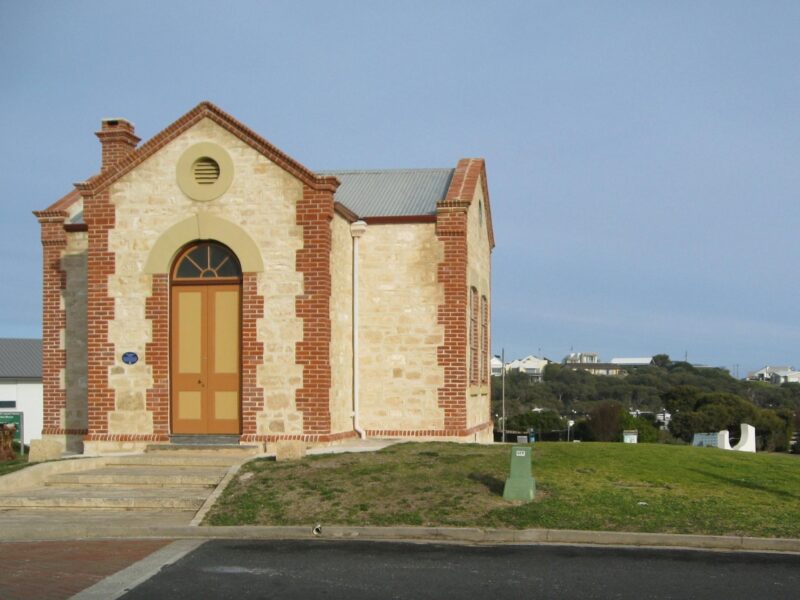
{"x": 58, "y": 570}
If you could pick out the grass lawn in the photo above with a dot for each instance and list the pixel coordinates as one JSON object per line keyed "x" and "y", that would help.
{"x": 591, "y": 486}
{"x": 9, "y": 466}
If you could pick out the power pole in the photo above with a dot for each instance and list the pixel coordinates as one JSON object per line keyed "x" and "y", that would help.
{"x": 503, "y": 360}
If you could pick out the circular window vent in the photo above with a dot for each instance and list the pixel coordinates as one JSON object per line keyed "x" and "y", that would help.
{"x": 205, "y": 171}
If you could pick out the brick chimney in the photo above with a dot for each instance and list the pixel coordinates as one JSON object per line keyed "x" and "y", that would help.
{"x": 118, "y": 140}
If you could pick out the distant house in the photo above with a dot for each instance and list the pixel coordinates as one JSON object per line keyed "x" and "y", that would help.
{"x": 497, "y": 366}
{"x": 775, "y": 375}
{"x": 633, "y": 362}
{"x": 581, "y": 358}
{"x": 530, "y": 365}
{"x": 590, "y": 362}
{"x": 21, "y": 383}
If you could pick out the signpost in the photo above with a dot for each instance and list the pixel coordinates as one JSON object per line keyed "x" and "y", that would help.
{"x": 14, "y": 418}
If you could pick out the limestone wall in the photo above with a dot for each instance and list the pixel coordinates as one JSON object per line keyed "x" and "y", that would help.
{"x": 341, "y": 327}
{"x": 399, "y": 297}
{"x": 73, "y": 262}
{"x": 261, "y": 200}
{"x": 479, "y": 277}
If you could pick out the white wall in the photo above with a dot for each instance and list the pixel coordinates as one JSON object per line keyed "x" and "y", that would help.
{"x": 28, "y": 396}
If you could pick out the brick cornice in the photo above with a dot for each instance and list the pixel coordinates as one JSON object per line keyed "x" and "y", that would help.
{"x": 50, "y": 216}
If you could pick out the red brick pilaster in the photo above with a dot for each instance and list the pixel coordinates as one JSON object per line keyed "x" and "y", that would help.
{"x": 451, "y": 229}
{"x": 252, "y": 353}
{"x": 99, "y": 215}
{"x": 314, "y": 214}
{"x": 54, "y": 318}
{"x": 157, "y": 352}
{"x": 453, "y": 314}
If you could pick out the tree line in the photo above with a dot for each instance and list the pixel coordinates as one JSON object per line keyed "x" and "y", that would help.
{"x": 699, "y": 399}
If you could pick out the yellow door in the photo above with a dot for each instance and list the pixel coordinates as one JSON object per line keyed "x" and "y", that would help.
{"x": 205, "y": 357}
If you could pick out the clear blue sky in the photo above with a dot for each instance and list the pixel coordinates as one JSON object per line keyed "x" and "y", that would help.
{"x": 642, "y": 156}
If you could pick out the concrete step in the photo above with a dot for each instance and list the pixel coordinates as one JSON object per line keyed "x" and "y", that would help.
{"x": 174, "y": 459}
{"x": 197, "y": 449}
{"x": 113, "y": 499}
{"x": 141, "y": 476}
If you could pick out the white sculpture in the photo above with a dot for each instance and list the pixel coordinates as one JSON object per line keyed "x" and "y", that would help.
{"x": 747, "y": 441}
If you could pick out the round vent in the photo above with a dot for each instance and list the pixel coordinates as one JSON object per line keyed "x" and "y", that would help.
{"x": 205, "y": 171}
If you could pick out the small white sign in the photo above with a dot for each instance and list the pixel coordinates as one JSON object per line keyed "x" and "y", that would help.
{"x": 520, "y": 452}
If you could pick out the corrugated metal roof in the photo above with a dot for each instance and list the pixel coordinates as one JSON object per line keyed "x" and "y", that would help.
{"x": 392, "y": 193}
{"x": 385, "y": 192}
{"x": 20, "y": 359}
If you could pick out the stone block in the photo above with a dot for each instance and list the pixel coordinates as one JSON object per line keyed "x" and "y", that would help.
{"x": 289, "y": 450}
{"x": 45, "y": 449}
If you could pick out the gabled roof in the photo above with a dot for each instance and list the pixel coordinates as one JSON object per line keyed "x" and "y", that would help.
{"x": 20, "y": 358}
{"x": 392, "y": 192}
{"x": 204, "y": 110}
{"x": 379, "y": 193}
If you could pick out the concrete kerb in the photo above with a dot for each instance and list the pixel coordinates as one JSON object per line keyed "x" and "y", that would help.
{"x": 448, "y": 535}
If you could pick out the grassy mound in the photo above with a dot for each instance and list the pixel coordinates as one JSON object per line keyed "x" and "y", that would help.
{"x": 613, "y": 487}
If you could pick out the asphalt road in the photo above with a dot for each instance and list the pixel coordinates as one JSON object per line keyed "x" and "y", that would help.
{"x": 355, "y": 570}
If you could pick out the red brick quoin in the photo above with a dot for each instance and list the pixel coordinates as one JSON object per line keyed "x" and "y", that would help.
{"x": 314, "y": 214}
{"x": 157, "y": 353}
{"x": 54, "y": 318}
{"x": 99, "y": 216}
{"x": 453, "y": 314}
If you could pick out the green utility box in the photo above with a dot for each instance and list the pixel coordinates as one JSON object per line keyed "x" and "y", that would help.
{"x": 520, "y": 485}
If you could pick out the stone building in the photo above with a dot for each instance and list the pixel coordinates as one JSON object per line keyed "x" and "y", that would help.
{"x": 205, "y": 283}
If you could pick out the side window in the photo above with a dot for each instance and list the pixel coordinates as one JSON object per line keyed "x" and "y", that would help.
{"x": 473, "y": 335}
{"x": 484, "y": 340}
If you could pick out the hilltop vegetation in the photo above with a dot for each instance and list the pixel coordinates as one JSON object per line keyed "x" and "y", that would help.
{"x": 699, "y": 399}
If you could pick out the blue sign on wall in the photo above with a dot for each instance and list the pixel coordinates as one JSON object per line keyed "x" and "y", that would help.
{"x": 130, "y": 358}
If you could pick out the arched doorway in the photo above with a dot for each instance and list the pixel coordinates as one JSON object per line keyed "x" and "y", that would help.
{"x": 205, "y": 340}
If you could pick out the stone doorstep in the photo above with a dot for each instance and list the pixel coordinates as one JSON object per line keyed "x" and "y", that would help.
{"x": 141, "y": 476}
{"x": 176, "y": 459}
{"x": 119, "y": 499}
{"x": 233, "y": 450}
{"x": 158, "y": 480}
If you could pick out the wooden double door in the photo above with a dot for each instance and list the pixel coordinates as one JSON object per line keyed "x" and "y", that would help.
{"x": 205, "y": 349}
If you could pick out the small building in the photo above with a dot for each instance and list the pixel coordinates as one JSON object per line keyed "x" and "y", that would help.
{"x": 775, "y": 375}
{"x": 531, "y": 365}
{"x": 205, "y": 283}
{"x": 644, "y": 361}
{"x": 497, "y": 366}
{"x": 21, "y": 383}
{"x": 581, "y": 358}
